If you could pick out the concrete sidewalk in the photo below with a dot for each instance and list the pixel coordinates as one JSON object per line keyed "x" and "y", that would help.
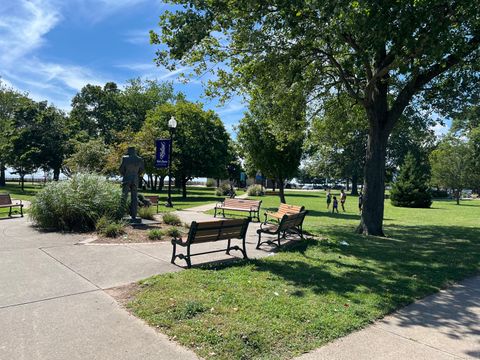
{"x": 445, "y": 325}
{"x": 53, "y": 304}
{"x": 52, "y": 299}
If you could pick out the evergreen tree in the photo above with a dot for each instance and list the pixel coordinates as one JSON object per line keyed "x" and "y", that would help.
{"x": 411, "y": 189}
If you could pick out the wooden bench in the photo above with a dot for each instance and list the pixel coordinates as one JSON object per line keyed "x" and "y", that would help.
{"x": 250, "y": 206}
{"x": 284, "y": 209}
{"x": 153, "y": 200}
{"x": 289, "y": 223}
{"x": 212, "y": 231}
{"x": 6, "y": 201}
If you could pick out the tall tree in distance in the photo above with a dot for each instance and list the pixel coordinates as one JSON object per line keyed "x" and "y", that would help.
{"x": 385, "y": 55}
{"x": 271, "y": 135}
{"x": 411, "y": 186}
{"x": 10, "y": 99}
{"x": 200, "y": 145}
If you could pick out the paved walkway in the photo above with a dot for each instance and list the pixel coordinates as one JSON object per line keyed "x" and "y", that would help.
{"x": 442, "y": 326}
{"x": 52, "y": 299}
{"x": 53, "y": 305}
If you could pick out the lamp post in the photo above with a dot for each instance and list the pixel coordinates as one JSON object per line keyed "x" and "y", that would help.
{"x": 172, "y": 124}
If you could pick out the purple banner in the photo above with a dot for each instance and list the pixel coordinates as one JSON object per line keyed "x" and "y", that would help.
{"x": 162, "y": 157}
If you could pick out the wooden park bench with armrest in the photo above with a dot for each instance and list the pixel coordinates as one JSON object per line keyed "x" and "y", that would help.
{"x": 250, "y": 206}
{"x": 212, "y": 231}
{"x": 284, "y": 209}
{"x": 6, "y": 201}
{"x": 289, "y": 223}
{"x": 153, "y": 200}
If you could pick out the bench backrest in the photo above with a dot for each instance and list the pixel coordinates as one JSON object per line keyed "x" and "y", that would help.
{"x": 152, "y": 198}
{"x": 207, "y": 231}
{"x": 292, "y": 220}
{"x": 242, "y": 204}
{"x": 5, "y": 199}
{"x": 285, "y": 209}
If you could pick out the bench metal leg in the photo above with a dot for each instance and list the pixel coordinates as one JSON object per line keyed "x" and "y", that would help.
{"x": 174, "y": 254}
{"x": 278, "y": 239}
{"x": 10, "y": 212}
{"x": 215, "y": 214}
{"x": 21, "y": 210}
{"x": 228, "y": 247}
{"x": 244, "y": 251}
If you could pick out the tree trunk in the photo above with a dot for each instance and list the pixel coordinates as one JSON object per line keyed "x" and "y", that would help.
{"x": 457, "y": 196}
{"x": 281, "y": 192}
{"x": 2, "y": 175}
{"x": 22, "y": 181}
{"x": 161, "y": 182}
{"x": 218, "y": 183}
{"x": 374, "y": 183}
{"x": 155, "y": 183}
{"x": 273, "y": 185}
{"x": 354, "y": 184}
{"x": 184, "y": 187}
{"x": 56, "y": 174}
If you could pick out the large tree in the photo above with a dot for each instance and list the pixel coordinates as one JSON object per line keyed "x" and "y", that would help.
{"x": 272, "y": 132}
{"x": 451, "y": 165}
{"x": 200, "y": 146}
{"x": 10, "y": 99}
{"x": 384, "y": 54}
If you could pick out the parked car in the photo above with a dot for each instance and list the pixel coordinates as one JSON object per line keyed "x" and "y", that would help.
{"x": 308, "y": 187}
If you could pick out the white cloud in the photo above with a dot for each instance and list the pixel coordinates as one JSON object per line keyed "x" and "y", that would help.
{"x": 23, "y": 25}
{"x": 440, "y": 129}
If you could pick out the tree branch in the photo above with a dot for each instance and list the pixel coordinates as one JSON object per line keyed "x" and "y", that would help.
{"x": 417, "y": 82}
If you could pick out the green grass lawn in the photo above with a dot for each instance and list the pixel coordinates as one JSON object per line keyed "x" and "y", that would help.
{"x": 316, "y": 290}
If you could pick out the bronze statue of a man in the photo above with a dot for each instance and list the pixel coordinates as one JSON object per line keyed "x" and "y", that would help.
{"x": 131, "y": 168}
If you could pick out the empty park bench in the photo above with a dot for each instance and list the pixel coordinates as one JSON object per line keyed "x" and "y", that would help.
{"x": 6, "y": 202}
{"x": 250, "y": 206}
{"x": 212, "y": 231}
{"x": 283, "y": 209}
{"x": 153, "y": 199}
{"x": 288, "y": 223}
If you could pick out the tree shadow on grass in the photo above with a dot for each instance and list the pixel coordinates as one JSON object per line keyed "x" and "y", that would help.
{"x": 415, "y": 262}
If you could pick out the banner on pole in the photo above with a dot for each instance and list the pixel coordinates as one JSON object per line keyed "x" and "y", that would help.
{"x": 162, "y": 157}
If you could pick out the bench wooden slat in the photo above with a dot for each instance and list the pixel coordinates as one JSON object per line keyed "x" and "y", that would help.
{"x": 289, "y": 222}
{"x": 246, "y": 205}
{"x": 6, "y": 202}
{"x": 211, "y": 231}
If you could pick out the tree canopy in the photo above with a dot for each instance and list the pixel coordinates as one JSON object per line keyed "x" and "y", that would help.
{"x": 385, "y": 55}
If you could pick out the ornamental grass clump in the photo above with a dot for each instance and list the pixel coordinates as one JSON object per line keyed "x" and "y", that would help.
{"x": 76, "y": 204}
{"x": 255, "y": 190}
{"x": 171, "y": 219}
{"x": 147, "y": 212}
{"x": 155, "y": 234}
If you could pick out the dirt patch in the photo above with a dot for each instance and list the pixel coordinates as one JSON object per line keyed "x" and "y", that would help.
{"x": 124, "y": 294}
{"x": 139, "y": 235}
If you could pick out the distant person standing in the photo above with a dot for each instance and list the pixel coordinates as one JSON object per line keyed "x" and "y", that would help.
{"x": 343, "y": 198}
{"x": 329, "y": 199}
{"x": 335, "y": 205}
{"x": 360, "y": 202}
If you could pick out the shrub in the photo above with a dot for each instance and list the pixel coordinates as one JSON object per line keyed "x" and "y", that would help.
{"x": 173, "y": 232}
{"x": 223, "y": 190}
{"x": 255, "y": 190}
{"x": 147, "y": 212}
{"x": 110, "y": 228}
{"x": 210, "y": 183}
{"x": 76, "y": 204}
{"x": 410, "y": 189}
{"x": 171, "y": 219}
{"x": 155, "y": 234}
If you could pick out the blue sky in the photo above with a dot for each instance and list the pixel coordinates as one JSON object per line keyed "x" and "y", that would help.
{"x": 52, "y": 48}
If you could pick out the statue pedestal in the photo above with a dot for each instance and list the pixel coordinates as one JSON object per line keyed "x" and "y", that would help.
{"x": 139, "y": 222}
